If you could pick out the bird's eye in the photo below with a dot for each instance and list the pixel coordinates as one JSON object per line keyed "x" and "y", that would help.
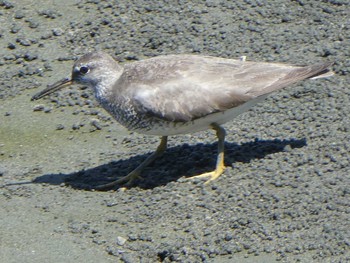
{"x": 84, "y": 70}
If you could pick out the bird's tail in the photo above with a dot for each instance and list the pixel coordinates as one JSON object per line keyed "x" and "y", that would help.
{"x": 322, "y": 71}
{"x": 297, "y": 74}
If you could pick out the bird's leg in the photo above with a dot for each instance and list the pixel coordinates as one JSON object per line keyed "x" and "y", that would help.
{"x": 220, "y": 166}
{"x": 135, "y": 174}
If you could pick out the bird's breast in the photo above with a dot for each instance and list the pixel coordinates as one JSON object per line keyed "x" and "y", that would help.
{"x": 142, "y": 122}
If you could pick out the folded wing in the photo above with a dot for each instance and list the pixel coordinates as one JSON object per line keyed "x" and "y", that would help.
{"x": 184, "y": 88}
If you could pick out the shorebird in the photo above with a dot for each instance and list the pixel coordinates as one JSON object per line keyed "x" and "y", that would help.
{"x": 178, "y": 94}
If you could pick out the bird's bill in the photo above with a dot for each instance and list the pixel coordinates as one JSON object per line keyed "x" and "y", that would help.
{"x": 52, "y": 88}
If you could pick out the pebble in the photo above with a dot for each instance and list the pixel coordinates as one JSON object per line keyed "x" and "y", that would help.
{"x": 39, "y": 107}
{"x": 19, "y": 14}
{"x": 121, "y": 241}
{"x": 59, "y": 127}
{"x": 95, "y": 123}
{"x": 6, "y": 4}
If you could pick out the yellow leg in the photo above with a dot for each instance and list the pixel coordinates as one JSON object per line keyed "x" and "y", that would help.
{"x": 135, "y": 174}
{"x": 220, "y": 166}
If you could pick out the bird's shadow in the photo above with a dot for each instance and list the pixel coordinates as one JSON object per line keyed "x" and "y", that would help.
{"x": 179, "y": 161}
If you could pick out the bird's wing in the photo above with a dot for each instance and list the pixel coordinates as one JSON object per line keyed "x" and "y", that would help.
{"x": 184, "y": 88}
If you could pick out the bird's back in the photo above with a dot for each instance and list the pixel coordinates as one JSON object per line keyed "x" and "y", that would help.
{"x": 182, "y": 88}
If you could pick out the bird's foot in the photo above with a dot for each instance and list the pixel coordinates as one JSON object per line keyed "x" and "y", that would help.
{"x": 126, "y": 181}
{"x": 212, "y": 175}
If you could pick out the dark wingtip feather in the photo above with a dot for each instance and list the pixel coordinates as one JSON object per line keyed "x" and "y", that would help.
{"x": 322, "y": 70}
{"x": 314, "y": 71}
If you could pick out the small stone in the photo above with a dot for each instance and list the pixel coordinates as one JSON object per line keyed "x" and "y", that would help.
{"x": 11, "y": 46}
{"x": 23, "y": 41}
{"x": 76, "y": 126}
{"x": 15, "y": 28}
{"x": 95, "y": 123}
{"x": 47, "y": 110}
{"x": 57, "y": 32}
{"x": 38, "y": 108}
{"x": 19, "y": 14}
{"x": 33, "y": 23}
{"x": 49, "y": 13}
{"x": 60, "y": 127}
{"x": 133, "y": 237}
{"x": 6, "y": 4}
{"x": 228, "y": 237}
{"x": 121, "y": 240}
{"x": 30, "y": 56}
{"x": 2, "y": 171}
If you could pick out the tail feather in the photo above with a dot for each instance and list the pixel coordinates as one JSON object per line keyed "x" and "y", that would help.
{"x": 325, "y": 73}
{"x": 300, "y": 73}
{"x": 309, "y": 72}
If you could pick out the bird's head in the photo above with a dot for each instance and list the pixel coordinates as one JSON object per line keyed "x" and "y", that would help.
{"x": 91, "y": 69}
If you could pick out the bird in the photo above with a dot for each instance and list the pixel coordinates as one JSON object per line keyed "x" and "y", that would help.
{"x": 180, "y": 94}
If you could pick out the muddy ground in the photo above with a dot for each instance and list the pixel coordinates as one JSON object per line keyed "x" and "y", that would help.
{"x": 284, "y": 195}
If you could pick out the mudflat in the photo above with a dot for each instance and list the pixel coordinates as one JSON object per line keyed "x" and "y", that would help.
{"x": 284, "y": 195}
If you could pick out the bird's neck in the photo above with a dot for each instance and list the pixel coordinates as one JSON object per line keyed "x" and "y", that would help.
{"x": 104, "y": 87}
{"x": 102, "y": 91}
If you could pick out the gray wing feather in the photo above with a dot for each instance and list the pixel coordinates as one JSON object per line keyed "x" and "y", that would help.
{"x": 184, "y": 88}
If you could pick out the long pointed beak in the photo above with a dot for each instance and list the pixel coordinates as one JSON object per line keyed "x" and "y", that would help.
{"x": 52, "y": 88}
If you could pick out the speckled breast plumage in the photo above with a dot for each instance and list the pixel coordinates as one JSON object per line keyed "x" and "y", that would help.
{"x": 138, "y": 121}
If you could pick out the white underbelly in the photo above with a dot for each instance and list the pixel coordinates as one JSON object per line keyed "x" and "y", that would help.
{"x": 169, "y": 128}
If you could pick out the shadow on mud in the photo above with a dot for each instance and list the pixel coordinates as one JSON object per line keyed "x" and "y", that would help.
{"x": 179, "y": 161}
